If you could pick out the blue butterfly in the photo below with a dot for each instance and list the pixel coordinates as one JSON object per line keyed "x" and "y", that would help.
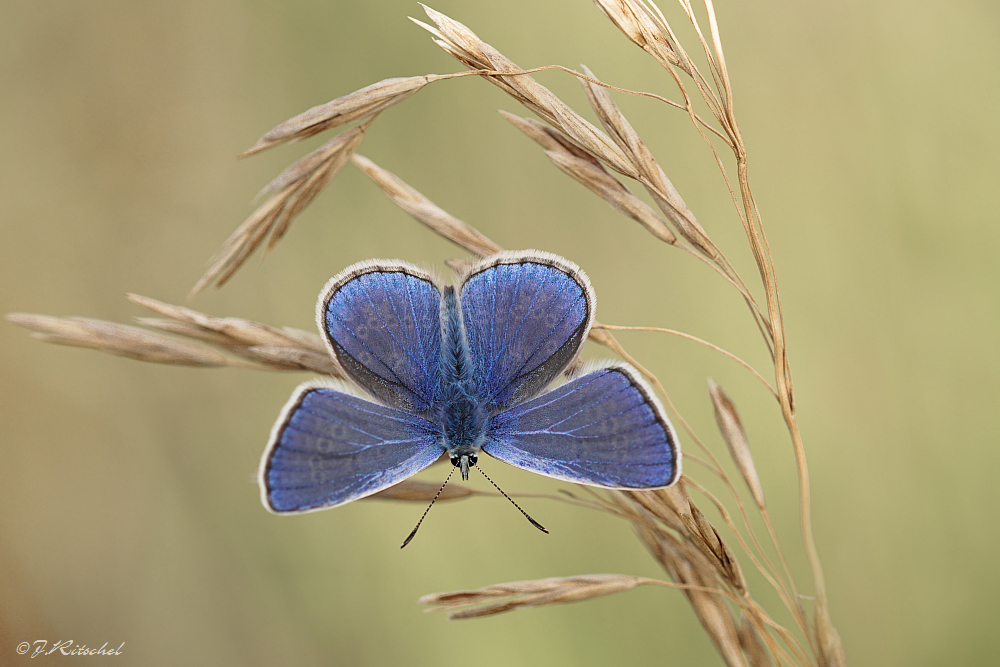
{"x": 457, "y": 372}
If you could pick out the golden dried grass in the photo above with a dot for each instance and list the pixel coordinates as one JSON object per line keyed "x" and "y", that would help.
{"x": 249, "y": 344}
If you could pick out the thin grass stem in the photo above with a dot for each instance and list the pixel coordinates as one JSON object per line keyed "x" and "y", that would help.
{"x": 681, "y": 334}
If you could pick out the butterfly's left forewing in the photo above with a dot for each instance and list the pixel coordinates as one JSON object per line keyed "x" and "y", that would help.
{"x": 604, "y": 428}
{"x": 329, "y": 447}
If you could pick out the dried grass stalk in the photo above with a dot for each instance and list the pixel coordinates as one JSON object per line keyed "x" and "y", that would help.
{"x": 736, "y": 439}
{"x": 295, "y": 188}
{"x": 638, "y": 19}
{"x": 640, "y": 26}
{"x": 474, "y": 53}
{"x": 234, "y": 331}
{"x": 358, "y": 105}
{"x": 536, "y": 593}
{"x": 752, "y": 645}
{"x": 611, "y": 190}
{"x": 416, "y": 490}
{"x": 118, "y": 339}
{"x": 650, "y": 173}
{"x": 426, "y": 211}
{"x": 256, "y": 345}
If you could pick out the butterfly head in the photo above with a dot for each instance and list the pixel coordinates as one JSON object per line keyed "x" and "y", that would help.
{"x": 464, "y": 457}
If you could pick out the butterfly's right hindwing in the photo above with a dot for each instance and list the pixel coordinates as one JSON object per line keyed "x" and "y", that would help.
{"x": 605, "y": 428}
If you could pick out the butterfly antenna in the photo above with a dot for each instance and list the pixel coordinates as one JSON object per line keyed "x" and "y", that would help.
{"x": 526, "y": 515}
{"x": 436, "y": 496}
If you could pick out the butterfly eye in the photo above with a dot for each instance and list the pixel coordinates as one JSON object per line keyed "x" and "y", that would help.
{"x": 456, "y": 459}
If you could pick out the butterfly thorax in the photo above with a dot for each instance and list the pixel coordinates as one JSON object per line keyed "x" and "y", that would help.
{"x": 460, "y": 412}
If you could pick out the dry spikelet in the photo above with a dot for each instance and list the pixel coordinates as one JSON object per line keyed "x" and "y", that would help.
{"x": 465, "y": 46}
{"x": 416, "y": 490}
{"x": 651, "y": 174}
{"x": 736, "y": 439}
{"x": 713, "y": 613}
{"x": 288, "y": 349}
{"x": 641, "y": 27}
{"x": 549, "y": 138}
{"x": 611, "y": 190}
{"x": 535, "y": 593}
{"x": 294, "y": 358}
{"x": 233, "y": 330}
{"x": 703, "y": 566}
{"x": 296, "y": 187}
{"x": 753, "y": 646}
{"x": 259, "y": 345}
{"x": 831, "y": 649}
{"x": 588, "y": 170}
{"x": 360, "y": 104}
{"x": 185, "y": 329}
{"x": 617, "y": 126}
{"x": 459, "y": 266}
{"x": 715, "y": 548}
{"x": 118, "y": 339}
{"x": 677, "y": 497}
{"x": 653, "y": 503}
{"x": 426, "y": 211}
{"x": 281, "y": 357}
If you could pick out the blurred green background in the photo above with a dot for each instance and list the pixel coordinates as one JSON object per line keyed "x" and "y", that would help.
{"x": 128, "y": 511}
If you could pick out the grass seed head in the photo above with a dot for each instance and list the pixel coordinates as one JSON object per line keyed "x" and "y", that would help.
{"x": 735, "y": 436}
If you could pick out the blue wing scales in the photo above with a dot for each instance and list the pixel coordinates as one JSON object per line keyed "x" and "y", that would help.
{"x": 526, "y": 316}
{"x": 382, "y": 321}
{"x": 329, "y": 448}
{"x": 604, "y": 428}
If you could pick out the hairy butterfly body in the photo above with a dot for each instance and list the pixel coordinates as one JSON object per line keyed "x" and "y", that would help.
{"x": 459, "y": 372}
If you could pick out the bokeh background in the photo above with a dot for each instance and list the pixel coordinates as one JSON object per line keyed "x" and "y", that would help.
{"x": 127, "y": 511}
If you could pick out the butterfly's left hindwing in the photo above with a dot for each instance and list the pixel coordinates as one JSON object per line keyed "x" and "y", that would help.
{"x": 604, "y": 428}
{"x": 329, "y": 447}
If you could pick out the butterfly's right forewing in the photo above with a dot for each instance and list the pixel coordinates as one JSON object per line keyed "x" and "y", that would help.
{"x": 526, "y": 316}
{"x": 381, "y": 320}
